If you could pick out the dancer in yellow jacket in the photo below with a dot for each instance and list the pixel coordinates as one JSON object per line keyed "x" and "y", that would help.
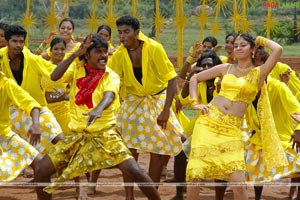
{"x": 15, "y": 153}
{"x": 145, "y": 119}
{"x": 27, "y": 69}
{"x": 93, "y": 142}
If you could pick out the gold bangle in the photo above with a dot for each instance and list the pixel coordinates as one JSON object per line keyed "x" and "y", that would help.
{"x": 261, "y": 41}
{"x": 193, "y": 102}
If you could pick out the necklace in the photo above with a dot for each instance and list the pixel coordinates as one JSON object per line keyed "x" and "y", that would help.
{"x": 135, "y": 48}
{"x": 243, "y": 69}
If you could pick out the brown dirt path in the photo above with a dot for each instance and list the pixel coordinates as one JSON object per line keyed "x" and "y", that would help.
{"x": 118, "y": 193}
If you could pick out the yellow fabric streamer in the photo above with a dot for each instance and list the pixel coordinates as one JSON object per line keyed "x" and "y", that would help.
{"x": 273, "y": 153}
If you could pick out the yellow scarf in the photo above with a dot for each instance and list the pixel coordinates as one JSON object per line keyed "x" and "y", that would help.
{"x": 273, "y": 152}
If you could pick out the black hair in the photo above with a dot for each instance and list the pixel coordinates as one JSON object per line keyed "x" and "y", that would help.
{"x": 211, "y": 39}
{"x": 98, "y": 42}
{"x": 57, "y": 40}
{"x": 246, "y": 37}
{"x": 209, "y": 54}
{"x": 14, "y": 30}
{"x": 105, "y": 27}
{"x": 68, "y": 19}
{"x": 265, "y": 54}
{"x": 130, "y": 21}
{"x": 233, "y": 34}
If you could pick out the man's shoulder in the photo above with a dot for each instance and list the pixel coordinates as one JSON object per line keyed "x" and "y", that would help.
{"x": 111, "y": 72}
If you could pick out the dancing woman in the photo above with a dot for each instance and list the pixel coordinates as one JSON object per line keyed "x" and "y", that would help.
{"x": 217, "y": 149}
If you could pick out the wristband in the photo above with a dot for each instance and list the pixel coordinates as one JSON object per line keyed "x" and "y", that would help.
{"x": 194, "y": 102}
{"x": 261, "y": 41}
{"x": 191, "y": 59}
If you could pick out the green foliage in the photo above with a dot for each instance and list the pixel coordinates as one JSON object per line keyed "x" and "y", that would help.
{"x": 79, "y": 10}
{"x": 283, "y": 31}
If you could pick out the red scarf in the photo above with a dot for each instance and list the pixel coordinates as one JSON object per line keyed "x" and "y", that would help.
{"x": 87, "y": 85}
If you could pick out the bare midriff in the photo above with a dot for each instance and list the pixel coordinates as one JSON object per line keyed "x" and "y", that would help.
{"x": 236, "y": 108}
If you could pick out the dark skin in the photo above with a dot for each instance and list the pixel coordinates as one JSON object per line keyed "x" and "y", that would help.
{"x": 35, "y": 129}
{"x": 129, "y": 37}
{"x": 15, "y": 46}
{"x": 181, "y": 159}
{"x": 129, "y": 168}
{"x": 35, "y": 132}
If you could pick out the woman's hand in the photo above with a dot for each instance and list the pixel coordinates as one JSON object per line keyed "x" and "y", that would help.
{"x": 204, "y": 108}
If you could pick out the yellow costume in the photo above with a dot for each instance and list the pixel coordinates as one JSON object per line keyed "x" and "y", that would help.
{"x": 294, "y": 82}
{"x": 202, "y": 98}
{"x": 144, "y": 102}
{"x": 224, "y": 59}
{"x": 15, "y": 153}
{"x": 283, "y": 103}
{"x": 61, "y": 109}
{"x": 34, "y": 68}
{"x": 217, "y": 149}
{"x": 97, "y": 146}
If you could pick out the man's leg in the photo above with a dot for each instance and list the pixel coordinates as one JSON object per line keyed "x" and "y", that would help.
{"x": 129, "y": 179}
{"x": 133, "y": 173}
{"x": 155, "y": 166}
{"x": 93, "y": 179}
{"x": 294, "y": 188}
{"x": 165, "y": 164}
{"x": 179, "y": 174}
{"x": 220, "y": 190}
{"x": 42, "y": 174}
{"x": 258, "y": 191}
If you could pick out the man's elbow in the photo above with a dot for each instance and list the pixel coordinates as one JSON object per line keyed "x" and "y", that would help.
{"x": 53, "y": 77}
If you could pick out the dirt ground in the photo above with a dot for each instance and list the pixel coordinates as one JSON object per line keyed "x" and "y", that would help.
{"x": 112, "y": 192}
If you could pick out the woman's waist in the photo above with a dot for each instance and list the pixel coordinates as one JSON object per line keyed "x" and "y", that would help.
{"x": 235, "y": 108}
{"x": 220, "y": 117}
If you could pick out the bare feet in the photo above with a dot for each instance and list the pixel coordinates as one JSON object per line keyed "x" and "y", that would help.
{"x": 28, "y": 173}
{"x": 293, "y": 193}
{"x": 81, "y": 194}
{"x": 177, "y": 197}
{"x": 91, "y": 190}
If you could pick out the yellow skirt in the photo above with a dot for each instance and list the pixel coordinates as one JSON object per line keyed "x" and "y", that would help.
{"x": 136, "y": 121}
{"x": 257, "y": 172}
{"x": 78, "y": 153}
{"x": 20, "y": 123}
{"x": 15, "y": 155}
{"x": 217, "y": 149}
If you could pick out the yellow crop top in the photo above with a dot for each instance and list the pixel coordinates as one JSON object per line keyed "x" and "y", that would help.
{"x": 242, "y": 88}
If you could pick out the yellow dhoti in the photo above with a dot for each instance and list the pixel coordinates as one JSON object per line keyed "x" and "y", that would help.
{"x": 78, "y": 153}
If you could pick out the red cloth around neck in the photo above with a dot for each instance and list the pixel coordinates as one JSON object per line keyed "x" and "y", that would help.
{"x": 87, "y": 85}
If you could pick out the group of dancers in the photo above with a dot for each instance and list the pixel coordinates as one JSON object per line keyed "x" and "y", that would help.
{"x": 76, "y": 107}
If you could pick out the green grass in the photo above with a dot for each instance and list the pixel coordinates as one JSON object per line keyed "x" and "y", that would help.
{"x": 291, "y": 50}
